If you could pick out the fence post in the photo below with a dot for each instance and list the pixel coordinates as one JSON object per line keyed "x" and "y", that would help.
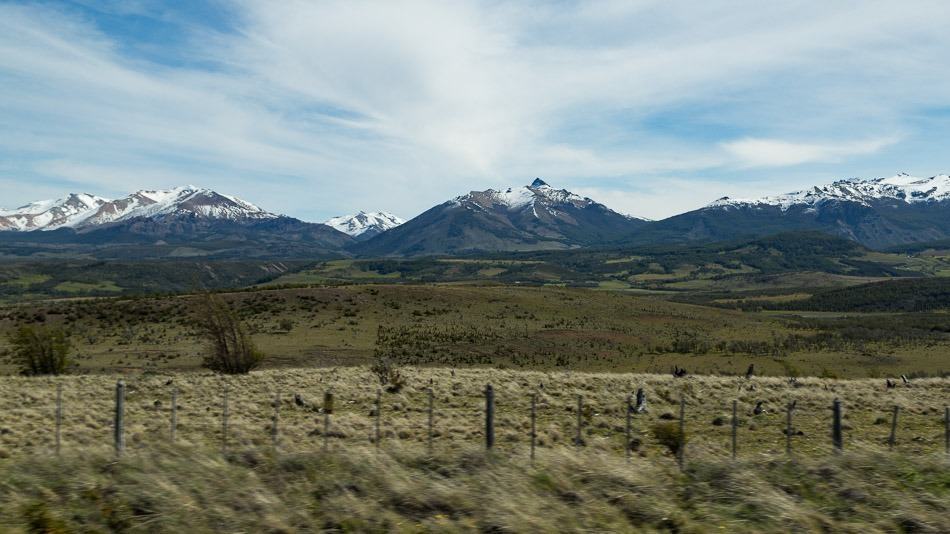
{"x": 681, "y": 452}
{"x": 627, "y": 436}
{"x": 379, "y": 407}
{"x": 489, "y": 417}
{"x": 946, "y": 428}
{"x": 580, "y": 420}
{"x": 788, "y": 429}
{"x": 59, "y": 416}
{"x": 119, "y": 425}
{"x": 327, "y": 410}
{"x": 534, "y": 434}
{"x": 224, "y": 420}
{"x": 275, "y": 429}
{"x": 431, "y": 401}
{"x": 174, "y": 422}
{"x": 735, "y": 428}
{"x": 836, "y": 437}
{"x": 892, "y": 439}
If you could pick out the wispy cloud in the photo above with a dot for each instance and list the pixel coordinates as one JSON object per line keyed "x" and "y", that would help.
{"x": 778, "y": 153}
{"x": 319, "y": 108}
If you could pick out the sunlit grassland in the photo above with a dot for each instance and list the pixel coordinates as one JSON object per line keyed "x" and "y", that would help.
{"x": 515, "y": 327}
{"x": 194, "y": 485}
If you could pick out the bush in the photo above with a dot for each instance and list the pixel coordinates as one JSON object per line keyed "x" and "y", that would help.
{"x": 40, "y": 350}
{"x": 388, "y": 374}
{"x": 668, "y": 435}
{"x": 231, "y": 350}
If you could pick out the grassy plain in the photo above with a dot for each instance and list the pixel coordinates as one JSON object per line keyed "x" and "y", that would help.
{"x": 192, "y": 486}
{"x": 514, "y": 327}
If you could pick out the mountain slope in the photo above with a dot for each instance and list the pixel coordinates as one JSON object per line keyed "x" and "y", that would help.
{"x": 533, "y": 217}
{"x": 364, "y": 225}
{"x": 180, "y": 222}
{"x": 877, "y": 213}
{"x": 83, "y": 211}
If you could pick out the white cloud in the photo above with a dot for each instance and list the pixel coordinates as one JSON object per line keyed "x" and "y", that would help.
{"x": 321, "y": 108}
{"x": 777, "y": 153}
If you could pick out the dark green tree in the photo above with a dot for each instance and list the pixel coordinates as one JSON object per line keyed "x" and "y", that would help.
{"x": 40, "y": 350}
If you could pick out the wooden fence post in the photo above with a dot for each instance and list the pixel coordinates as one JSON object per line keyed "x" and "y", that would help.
{"x": 735, "y": 428}
{"x": 627, "y": 436}
{"x": 59, "y": 416}
{"x": 224, "y": 420}
{"x": 946, "y": 428}
{"x": 379, "y": 408}
{"x": 788, "y": 429}
{"x": 431, "y": 402}
{"x": 327, "y": 410}
{"x": 489, "y": 417}
{"x": 892, "y": 439}
{"x": 119, "y": 424}
{"x": 275, "y": 429}
{"x": 174, "y": 422}
{"x": 534, "y": 434}
{"x": 580, "y": 419}
{"x": 681, "y": 451}
{"x": 836, "y": 437}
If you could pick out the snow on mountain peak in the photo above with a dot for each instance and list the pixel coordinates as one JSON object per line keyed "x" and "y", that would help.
{"x": 84, "y": 210}
{"x": 901, "y": 187}
{"x": 515, "y": 198}
{"x": 364, "y": 223}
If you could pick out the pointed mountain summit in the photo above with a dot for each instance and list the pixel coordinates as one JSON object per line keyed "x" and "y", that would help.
{"x": 364, "y": 225}
{"x": 532, "y": 217}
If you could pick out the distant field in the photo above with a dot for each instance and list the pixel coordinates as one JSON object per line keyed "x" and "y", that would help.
{"x": 504, "y": 327}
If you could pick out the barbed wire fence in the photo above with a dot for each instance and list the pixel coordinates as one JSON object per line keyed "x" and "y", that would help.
{"x": 243, "y": 420}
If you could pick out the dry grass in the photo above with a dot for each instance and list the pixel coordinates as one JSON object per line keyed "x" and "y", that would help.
{"x": 27, "y": 408}
{"x": 402, "y": 490}
{"x": 192, "y": 486}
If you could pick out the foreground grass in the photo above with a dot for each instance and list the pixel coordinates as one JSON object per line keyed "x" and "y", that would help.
{"x": 403, "y": 490}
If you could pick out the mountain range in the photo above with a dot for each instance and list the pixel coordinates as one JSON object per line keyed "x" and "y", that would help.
{"x": 191, "y": 221}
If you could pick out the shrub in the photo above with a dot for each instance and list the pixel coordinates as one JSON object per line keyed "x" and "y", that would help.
{"x": 40, "y": 350}
{"x": 231, "y": 350}
{"x": 668, "y": 435}
{"x": 388, "y": 374}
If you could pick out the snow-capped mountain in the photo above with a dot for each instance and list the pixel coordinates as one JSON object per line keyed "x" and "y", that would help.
{"x": 867, "y": 192}
{"x": 532, "y": 217}
{"x": 364, "y": 225}
{"x": 538, "y": 195}
{"x": 50, "y": 213}
{"x": 80, "y": 211}
{"x": 877, "y": 212}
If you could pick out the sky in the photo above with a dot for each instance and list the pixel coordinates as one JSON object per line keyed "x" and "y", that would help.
{"x": 322, "y": 108}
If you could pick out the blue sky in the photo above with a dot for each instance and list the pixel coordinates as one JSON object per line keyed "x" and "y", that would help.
{"x": 319, "y": 108}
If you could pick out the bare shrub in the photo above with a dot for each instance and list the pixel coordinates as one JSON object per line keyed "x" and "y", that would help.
{"x": 40, "y": 350}
{"x": 230, "y": 348}
{"x": 388, "y": 374}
